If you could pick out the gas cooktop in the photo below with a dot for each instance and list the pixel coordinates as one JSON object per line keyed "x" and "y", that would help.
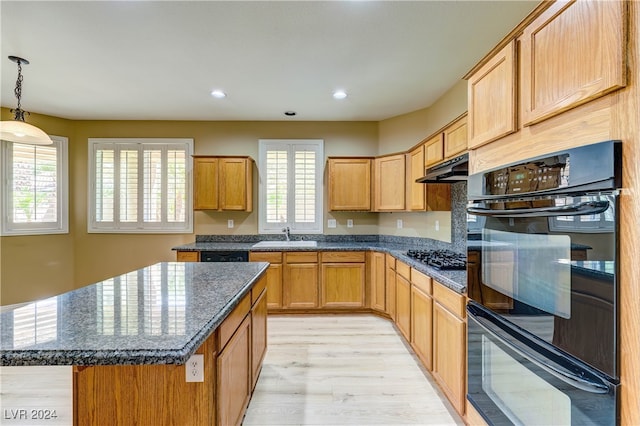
{"x": 440, "y": 259}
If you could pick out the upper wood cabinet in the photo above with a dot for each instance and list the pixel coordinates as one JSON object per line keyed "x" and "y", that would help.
{"x": 434, "y": 150}
{"x": 572, "y": 53}
{"x": 415, "y": 191}
{"x": 455, "y": 138}
{"x": 389, "y": 183}
{"x": 492, "y": 98}
{"x": 223, "y": 183}
{"x": 349, "y": 184}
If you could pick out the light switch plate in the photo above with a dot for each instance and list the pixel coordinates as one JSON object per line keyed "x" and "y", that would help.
{"x": 399, "y": 223}
{"x": 331, "y": 223}
{"x": 349, "y": 223}
{"x": 230, "y": 223}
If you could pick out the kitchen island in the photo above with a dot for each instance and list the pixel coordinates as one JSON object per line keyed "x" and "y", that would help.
{"x": 172, "y": 343}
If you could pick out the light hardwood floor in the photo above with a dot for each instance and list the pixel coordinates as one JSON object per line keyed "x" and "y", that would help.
{"x": 343, "y": 370}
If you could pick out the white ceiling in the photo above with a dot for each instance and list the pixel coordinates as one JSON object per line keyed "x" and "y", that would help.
{"x": 159, "y": 60}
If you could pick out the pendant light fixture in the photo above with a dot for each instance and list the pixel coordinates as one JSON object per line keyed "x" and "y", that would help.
{"x": 17, "y": 130}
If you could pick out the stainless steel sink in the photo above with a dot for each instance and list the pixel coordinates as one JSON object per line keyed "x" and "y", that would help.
{"x": 284, "y": 244}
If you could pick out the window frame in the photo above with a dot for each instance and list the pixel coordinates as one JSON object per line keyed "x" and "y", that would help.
{"x": 61, "y": 225}
{"x": 139, "y": 227}
{"x": 296, "y": 228}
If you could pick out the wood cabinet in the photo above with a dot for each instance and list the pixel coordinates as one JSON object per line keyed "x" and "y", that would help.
{"x": 349, "y": 184}
{"x": 422, "y": 318}
{"x": 188, "y": 256}
{"x": 434, "y": 150}
{"x": 403, "y": 306}
{"x": 258, "y": 329}
{"x": 389, "y": 183}
{"x": 449, "y": 344}
{"x": 273, "y": 276}
{"x": 223, "y": 183}
{"x": 455, "y": 138}
{"x": 416, "y": 192}
{"x": 342, "y": 279}
{"x": 572, "y": 53}
{"x": 300, "y": 280}
{"x": 390, "y": 265}
{"x": 234, "y": 376}
{"x": 377, "y": 274}
{"x": 491, "y": 98}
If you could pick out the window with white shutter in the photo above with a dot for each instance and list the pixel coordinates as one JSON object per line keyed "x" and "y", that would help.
{"x": 290, "y": 185}
{"x": 140, "y": 185}
{"x": 35, "y": 188}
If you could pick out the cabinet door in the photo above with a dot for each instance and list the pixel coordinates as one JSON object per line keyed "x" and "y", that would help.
{"x": 378, "y": 288}
{"x": 205, "y": 183}
{"x": 274, "y": 276}
{"x": 300, "y": 285}
{"x": 492, "y": 98}
{"x": 449, "y": 354}
{"x": 421, "y": 326}
{"x": 188, "y": 256}
{"x": 403, "y": 306}
{"x": 349, "y": 184}
{"x": 234, "y": 376}
{"x": 433, "y": 150}
{"x": 390, "y": 179}
{"x": 342, "y": 285}
{"x": 416, "y": 191}
{"x": 235, "y": 184}
{"x": 258, "y": 336}
{"x": 391, "y": 291}
{"x": 572, "y": 53}
{"x": 455, "y": 138}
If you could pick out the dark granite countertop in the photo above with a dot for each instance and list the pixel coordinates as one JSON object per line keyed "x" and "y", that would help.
{"x": 156, "y": 315}
{"x": 455, "y": 280}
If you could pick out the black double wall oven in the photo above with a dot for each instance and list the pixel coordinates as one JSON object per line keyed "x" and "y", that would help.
{"x": 543, "y": 279}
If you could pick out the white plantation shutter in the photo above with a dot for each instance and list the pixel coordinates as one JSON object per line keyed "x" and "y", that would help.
{"x": 290, "y": 185}
{"x": 140, "y": 185}
{"x": 35, "y": 188}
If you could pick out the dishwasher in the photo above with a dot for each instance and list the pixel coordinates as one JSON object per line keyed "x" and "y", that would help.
{"x": 224, "y": 256}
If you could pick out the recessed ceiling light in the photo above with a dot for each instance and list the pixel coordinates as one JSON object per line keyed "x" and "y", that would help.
{"x": 289, "y": 113}
{"x": 339, "y": 94}
{"x": 218, "y": 94}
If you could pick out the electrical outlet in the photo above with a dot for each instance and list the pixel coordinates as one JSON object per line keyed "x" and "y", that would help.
{"x": 194, "y": 368}
{"x": 230, "y": 223}
{"x": 399, "y": 223}
{"x": 437, "y": 225}
{"x": 331, "y": 223}
{"x": 349, "y": 223}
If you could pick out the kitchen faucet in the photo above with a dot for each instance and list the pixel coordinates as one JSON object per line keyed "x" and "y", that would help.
{"x": 287, "y": 233}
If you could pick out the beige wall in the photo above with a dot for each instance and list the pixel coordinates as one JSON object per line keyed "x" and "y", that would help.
{"x": 404, "y": 132}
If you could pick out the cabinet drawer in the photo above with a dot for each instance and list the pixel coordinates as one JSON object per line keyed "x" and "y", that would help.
{"x": 403, "y": 269}
{"x": 266, "y": 256}
{"x": 421, "y": 281}
{"x": 448, "y": 298}
{"x": 257, "y": 289}
{"x": 188, "y": 256}
{"x": 301, "y": 257}
{"x": 390, "y": 261}
{"x": 229, "y": 326}
{"x": 342, "y": 256}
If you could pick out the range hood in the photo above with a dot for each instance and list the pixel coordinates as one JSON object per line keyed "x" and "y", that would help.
{"x": 450, "y": 171}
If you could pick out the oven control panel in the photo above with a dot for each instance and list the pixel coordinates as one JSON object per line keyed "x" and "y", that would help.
{"x": 548, "y": 173}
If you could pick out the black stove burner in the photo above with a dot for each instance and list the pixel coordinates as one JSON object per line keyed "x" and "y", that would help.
{"x": 440, "y": 259}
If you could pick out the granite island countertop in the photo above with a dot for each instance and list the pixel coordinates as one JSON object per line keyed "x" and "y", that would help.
{"x": 159, "y": 314}
{"x": 455, "y": 280}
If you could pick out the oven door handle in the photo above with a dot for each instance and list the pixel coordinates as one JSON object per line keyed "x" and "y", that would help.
{"x": 551, "y": 367}
{"x": 587, "y": 207}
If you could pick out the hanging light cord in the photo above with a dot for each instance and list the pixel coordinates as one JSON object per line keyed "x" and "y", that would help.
{"x": 19, "y": 112}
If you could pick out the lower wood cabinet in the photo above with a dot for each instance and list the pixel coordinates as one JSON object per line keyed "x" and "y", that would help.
{"x": 377, "y": 275}
{"x": 342, "y": 279}
{"x": 422, "y": 318}
{"x": 258, "y": 333}
{"x": 274, "y": 276}
{"x": 187, "y": 256}
{"x": 449, "y": 344}
{"x": 403, "y": 306}
{"x": 390, "y": 267}
{"x": 300, "y": 280}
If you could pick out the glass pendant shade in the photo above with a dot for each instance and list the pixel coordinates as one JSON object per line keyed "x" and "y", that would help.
{"x": 21, "y": 132}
